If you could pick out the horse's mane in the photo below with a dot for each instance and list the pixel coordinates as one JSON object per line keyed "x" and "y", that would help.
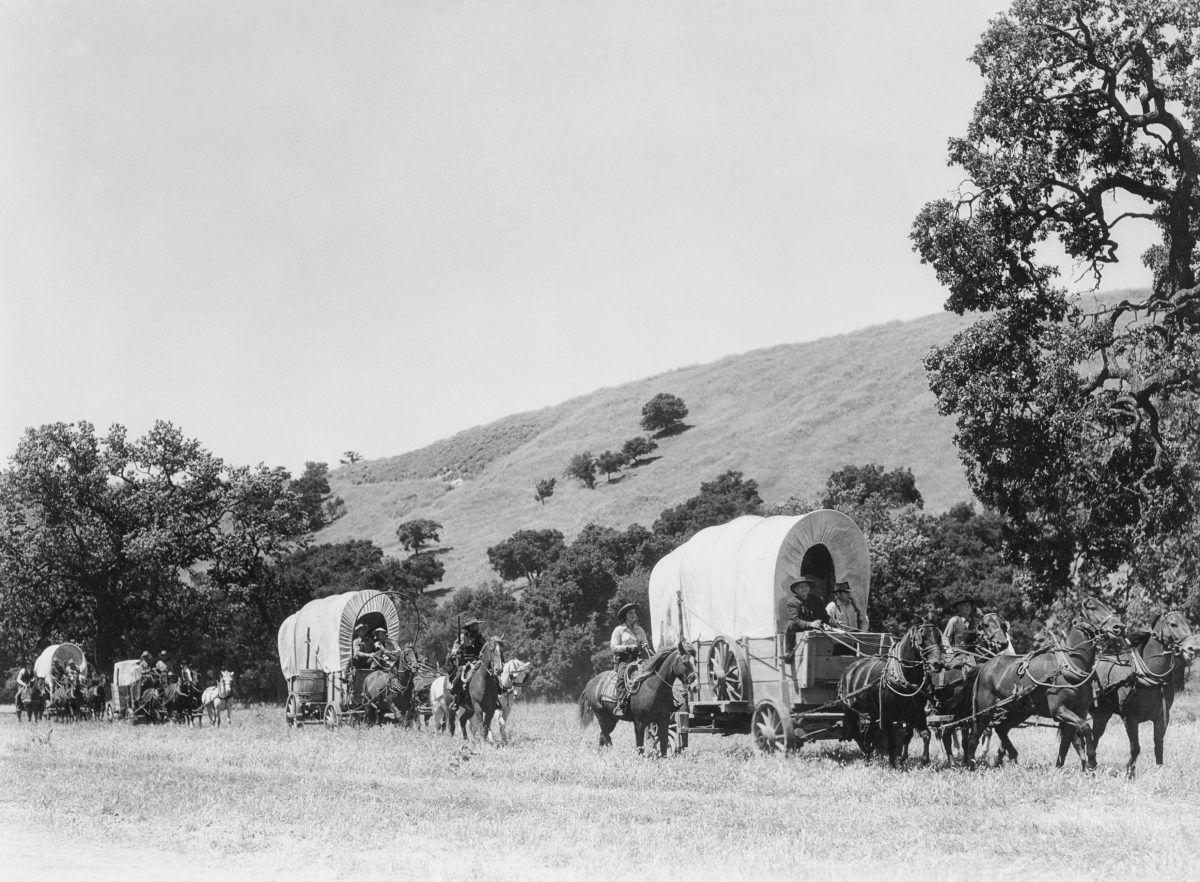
{"x": 657, "y": 660}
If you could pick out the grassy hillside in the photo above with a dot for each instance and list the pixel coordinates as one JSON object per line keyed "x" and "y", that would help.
{"x": 786, "y": 416}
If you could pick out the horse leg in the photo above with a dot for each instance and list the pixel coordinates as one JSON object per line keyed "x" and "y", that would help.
{"x": 639, "y": 736}
{"x": 607, "y": 723}
{"x": 1006, "y": 745}
{"x": 664, "y": 736}
{"x": 1135, "y": 744}
{"x": 1160, "y": 731}
{"x": 1075, "y": 731}
{"x": 1100, "y": 720}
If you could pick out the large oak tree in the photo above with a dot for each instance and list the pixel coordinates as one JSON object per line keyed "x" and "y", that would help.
{"x": 1077, "y": 416}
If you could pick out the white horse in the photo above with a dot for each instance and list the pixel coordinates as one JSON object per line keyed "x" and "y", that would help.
{"x": 217, "y": 698}
{"x": 512, "y": 677}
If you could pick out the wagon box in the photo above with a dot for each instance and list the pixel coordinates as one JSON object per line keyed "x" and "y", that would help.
{"x": 725, "y": 591}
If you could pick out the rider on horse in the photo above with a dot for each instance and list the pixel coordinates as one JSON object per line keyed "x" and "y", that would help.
{"x": 25, "y": 676}
{"x": 628, "y": 644}
{"x": 463, "y": 653}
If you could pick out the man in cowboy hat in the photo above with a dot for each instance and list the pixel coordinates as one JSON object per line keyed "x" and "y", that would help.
{"x": 804, "y": 612}
{"x": 844, "y": 611}
{"x": 362, "y": 647}
{"x": 959, "y": 630}
{"x": 385, "y": 650}
{"x": 628, "y": 643}
{"x": 162, "y": 667}
{"x": 465, "y": 651}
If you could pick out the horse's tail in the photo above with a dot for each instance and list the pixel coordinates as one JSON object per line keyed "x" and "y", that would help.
{"x": 586, "y": 713}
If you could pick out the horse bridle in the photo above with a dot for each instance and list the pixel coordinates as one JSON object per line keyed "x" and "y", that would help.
{"x": 928, "y": 668}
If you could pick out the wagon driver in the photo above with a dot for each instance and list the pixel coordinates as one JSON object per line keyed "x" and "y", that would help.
{"x": 385, "y": 651}
{"x": 628, "y": 643}
{"x": 844, "y": 611}
{"x": 960, "y": 629}
{"x": 362, "y": 647}
{"x": 804, "y": 612}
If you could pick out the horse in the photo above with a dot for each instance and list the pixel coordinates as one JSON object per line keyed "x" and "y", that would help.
{"x": 389, "y": 689}
{"x": 95, "y": 696}
{"x": 440, "y": 704}
{"x": 512, "y": 678}
{"x": 217, "y": 698}
{"x": 182, "y": 698}
{"x": 879, "y": 694}
{"x": 479, "y": 691}
{"x": 32, "y": 699}
{"x": 651, "y": 697}
{"x": 1053, "y": 681}
{"x": 954, "y": 697}
{"x": 1140, "y": 685}
{"x": 65, "y": 698}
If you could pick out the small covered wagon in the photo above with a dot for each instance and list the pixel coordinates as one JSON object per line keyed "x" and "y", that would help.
{"x": 52, "y": 665}
{"x": 62, "y": 654}
{"x": 315, "y": 647}
{"x": 725, "y": 592}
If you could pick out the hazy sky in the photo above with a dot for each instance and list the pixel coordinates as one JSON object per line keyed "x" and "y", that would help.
{"x": 295, "y": 229}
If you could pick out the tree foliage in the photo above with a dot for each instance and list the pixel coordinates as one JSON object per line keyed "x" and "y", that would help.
{"x": 312, "y": 493}
{"x": 415, "y": 535}
{"x": 101, "y": 538}
{"x": 720, "y": 500}
{"x": 663, "y": 413}
{"x": 544, "y": 489}
{"x": 526, "y": 554}
{"x": 853, "y": 484}
{"x": 582, "y": 467}
{"x": 610, "y": 462}
{"x": 1078, "y": 423}
{"x": 638, "y": 447}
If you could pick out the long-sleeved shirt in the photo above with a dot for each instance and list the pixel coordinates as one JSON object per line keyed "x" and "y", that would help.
{"x": 847, "y": 616}
{"x": 627, "y": 640}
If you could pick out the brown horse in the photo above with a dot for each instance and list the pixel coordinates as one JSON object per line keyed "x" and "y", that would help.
{"x": 651, "y": 698}
{"x": 32, "y": 699}
{"x": 881, "y": 694}
{"x": 1140, "y": 684}
{"x": 481, "y": 691}
{"x": 953, "y": 698}
{"x": 66, "y": 697}
{"x": 389, "y": 690}
{"x": 1053, "y": 681}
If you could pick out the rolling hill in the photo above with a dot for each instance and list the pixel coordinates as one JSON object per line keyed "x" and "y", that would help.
{"x": 786, "y": 416}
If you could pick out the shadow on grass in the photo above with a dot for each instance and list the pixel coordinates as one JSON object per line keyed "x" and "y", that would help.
{"x": 646, "y": 460}
{"x": 672, "y": 431}
{"x": 617, "y": 480}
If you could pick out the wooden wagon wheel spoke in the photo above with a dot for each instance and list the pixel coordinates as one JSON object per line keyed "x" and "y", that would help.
{"x": 291, "y": 711}
{"x": 724, "y": 672}
{"x": 772, "y": 730}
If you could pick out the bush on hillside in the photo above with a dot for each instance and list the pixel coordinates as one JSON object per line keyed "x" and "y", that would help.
{"x": 663, "y": 413}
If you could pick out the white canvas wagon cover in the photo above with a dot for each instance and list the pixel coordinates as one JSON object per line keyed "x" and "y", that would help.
{"x": 63, "y": 653}
{"x": 733, "y": 578}
{"x": 319, "y": 636}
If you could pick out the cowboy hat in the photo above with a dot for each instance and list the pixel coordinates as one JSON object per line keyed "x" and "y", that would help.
{"x": 359, "y": 627}
{"x": 472, "y": 621}
{"x": 145, "y": 655}
{"x": 963, "y": 598}
{"x": 625, "y": 609}
{"x": 379, "y": 631}
{"x": 842, "y": 586}
{"x": 801, "y": 580}
{"x": 162, "y": 653}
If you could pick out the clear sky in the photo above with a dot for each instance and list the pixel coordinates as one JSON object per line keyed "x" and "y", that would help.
{"x": 295, "y": 229}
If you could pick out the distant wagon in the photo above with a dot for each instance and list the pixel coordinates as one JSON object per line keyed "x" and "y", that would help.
{"x": 63, "y": 653}
{"x": 315, "y": 652}
{"x": 725, "y": 592}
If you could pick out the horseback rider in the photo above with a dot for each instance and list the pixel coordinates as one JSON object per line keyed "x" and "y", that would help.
{"x": 25, "y": 676}
{"x": 844, "y": 611}
{"x": 463, "y": 653}
{"x": 628, "y": 643}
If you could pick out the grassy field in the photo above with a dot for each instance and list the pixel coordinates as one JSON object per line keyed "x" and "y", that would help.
{"x": 260, "y": 801}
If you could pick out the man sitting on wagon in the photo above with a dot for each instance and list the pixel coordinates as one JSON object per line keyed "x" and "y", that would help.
{"x": 628, "y": 643}
{"x": 163, "y": 666}
{"x": 463, "y": 653}
{"x": 147, "y": 675}
{"x": 960, "y": 630}
{"x": 844, "y": 611}
{"x": 384, "y": 656}
{"x": 804, "y": 613}
{"x": 362, "y": 647}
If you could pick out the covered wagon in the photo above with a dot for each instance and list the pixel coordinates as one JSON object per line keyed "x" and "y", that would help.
{"x": 59, "y": 656}
{"x": 125, "y": 690}
{"x": 725, "y": 592}
{"x": 315, "y": 646}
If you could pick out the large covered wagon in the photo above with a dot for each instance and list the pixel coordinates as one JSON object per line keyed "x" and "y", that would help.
{"x": 725, "y": 592}
{"x": 315, "y": 646}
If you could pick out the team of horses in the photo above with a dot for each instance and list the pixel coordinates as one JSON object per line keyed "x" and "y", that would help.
{"x": 78, "y": 698}
{"x": 1078, "y": 680}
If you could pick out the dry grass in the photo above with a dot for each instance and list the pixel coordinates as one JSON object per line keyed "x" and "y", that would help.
{"x": 786, "y": 416}
{"x": 260, "y": 800}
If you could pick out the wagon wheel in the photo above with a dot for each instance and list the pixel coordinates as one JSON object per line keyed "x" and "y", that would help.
{"x": 109, "y": 713}
{"x": 772, "y": 730}
{"x": 651, "y": 739}
{"x": 725, "y": 672}
{"x": 291, "y": 711}
{"x": 333, "y": 717}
